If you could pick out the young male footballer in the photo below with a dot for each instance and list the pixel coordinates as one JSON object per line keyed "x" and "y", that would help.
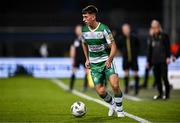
{"x": 99, "y": 48}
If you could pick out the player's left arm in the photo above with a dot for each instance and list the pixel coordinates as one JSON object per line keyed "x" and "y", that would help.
{"x": 113, "y": 51}
{"x": 112, "y": 45}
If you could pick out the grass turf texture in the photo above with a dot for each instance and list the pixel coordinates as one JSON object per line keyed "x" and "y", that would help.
{"x": 26, "y": 99}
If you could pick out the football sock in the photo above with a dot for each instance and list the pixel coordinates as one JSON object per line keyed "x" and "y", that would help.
{"x": 118, "y": 100}
{"x": 126, "y": 80}
{"x": 107, "y": 98}
{"x": 136, "y": 84}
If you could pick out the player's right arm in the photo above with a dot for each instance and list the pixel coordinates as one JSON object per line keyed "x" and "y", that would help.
{"x": 85, "y": 49}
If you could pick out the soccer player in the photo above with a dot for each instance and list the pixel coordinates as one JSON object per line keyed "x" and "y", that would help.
{"x": 99, "y": 49}
{"x": 76, "y": 53}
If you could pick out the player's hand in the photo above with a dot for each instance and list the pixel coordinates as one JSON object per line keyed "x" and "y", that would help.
{"x": 173, "y": 58}
{"x": 108, "y": 63}
{"x": 168, "y": 60}
{"x": 87, "y": 64}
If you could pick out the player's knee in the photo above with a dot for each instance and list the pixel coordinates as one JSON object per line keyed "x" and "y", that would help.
{"x": 114, "y": 78}
{"x": 115, "y": 88}
{"x": 101, "y": 91}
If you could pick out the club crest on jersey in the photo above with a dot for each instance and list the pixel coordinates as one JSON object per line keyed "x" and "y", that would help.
{"x": 85, "y": 35}
{"x": 99, "y": 35}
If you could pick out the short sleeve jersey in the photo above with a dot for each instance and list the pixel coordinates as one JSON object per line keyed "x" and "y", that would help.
{"x": 97, "y": 41}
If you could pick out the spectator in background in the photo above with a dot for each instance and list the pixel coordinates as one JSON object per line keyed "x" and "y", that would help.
{"x": 76, "y": 53}
{"x": 159, "y": 58}
{"x": 129, "y": 46}
{"x": 44, "y": 50}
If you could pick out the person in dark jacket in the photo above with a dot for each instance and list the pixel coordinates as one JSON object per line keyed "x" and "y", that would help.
{"x": 129, "y": 46}
{"x": 159, "y": 58}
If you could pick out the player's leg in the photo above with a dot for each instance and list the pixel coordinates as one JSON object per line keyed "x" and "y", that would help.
{"x": 164, "y": 69}
{"x": 135, "y": 68}
{"x": 114, "y": 81}
{"x": 126, "y": 76}
{"x": 126, "y": 80}
{"x": 98, "y": 79}
{"x": 146, "y": 77}
{"x": 136, "y": 77}
{"x": 157, "y": 77}
{"x": 101, "y": 90}
{"x": 73, "y": 77}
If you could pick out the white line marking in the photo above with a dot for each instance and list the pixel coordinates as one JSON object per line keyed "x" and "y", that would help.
{"x": 132, "y": 98}
{"x": 77, "y": 93}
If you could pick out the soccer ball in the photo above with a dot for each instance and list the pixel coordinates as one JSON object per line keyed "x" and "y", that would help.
{"x": 78, "y": 109}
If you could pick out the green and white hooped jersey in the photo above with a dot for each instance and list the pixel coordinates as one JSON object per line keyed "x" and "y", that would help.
{"x": 97, "y": 41}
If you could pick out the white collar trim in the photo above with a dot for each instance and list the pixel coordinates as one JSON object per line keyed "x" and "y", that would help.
{"x": 93, "y": 30}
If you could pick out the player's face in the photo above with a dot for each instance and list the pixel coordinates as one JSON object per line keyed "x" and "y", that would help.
{"x": 126, "y": 30}
{"x": 88, "y": 18}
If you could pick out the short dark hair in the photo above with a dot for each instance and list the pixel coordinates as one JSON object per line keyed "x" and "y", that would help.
{"x": 91, "y": 9}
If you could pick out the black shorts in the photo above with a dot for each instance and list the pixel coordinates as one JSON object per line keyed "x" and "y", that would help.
{"x": 77, "y": 63}
{"x": 133, "y": 65}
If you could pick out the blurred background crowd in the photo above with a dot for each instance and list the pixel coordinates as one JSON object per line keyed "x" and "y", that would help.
{"x": 31, "y": 25}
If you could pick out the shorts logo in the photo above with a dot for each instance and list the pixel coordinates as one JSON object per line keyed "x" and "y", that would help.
{"x": 95, "y": 79}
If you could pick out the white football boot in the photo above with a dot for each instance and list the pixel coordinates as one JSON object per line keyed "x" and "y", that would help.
{"x": 112, "y": 108}
{"x": 120, "y": 112}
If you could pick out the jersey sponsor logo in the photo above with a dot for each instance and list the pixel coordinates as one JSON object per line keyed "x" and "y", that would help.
{"x": 96, "y": 48}
{"x": 93, "y": 35}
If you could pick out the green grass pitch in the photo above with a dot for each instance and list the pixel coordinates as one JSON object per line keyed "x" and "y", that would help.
{"x": 26, "y": 99}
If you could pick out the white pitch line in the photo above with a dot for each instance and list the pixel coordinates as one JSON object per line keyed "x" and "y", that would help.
{"x": 77, "y": 93}
{"x": 132, "y": 98}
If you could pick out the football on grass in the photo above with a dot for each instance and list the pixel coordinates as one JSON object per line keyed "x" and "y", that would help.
{"x": 78, "y": 109}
